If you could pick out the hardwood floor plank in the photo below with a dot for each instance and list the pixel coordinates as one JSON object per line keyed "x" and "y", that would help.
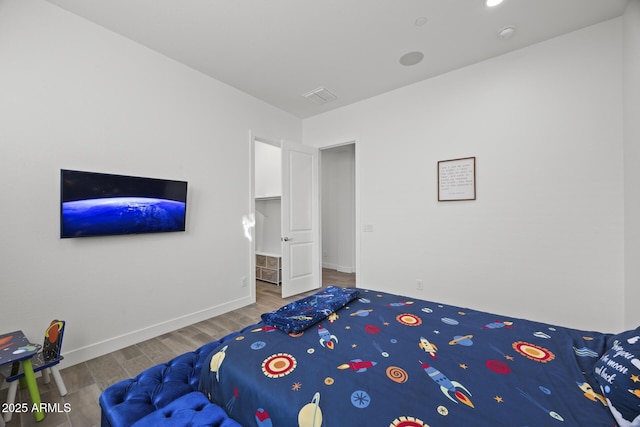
{"x": 106, "y": 370}
{"x": 85, "y": 410}
{"x": 76, "y": 377}
{"x": 156, "y": 350}
{"x": 137, "y": 364}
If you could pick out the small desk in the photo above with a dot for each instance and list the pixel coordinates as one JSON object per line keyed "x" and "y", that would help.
{"x": 15, "y": 347}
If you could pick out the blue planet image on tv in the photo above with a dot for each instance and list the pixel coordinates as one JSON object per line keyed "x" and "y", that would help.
{"x": 99, "y": 204}
{"x": 122, "y": 215}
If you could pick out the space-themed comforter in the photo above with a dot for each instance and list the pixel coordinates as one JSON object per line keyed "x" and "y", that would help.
{"x": 387, "y": 360}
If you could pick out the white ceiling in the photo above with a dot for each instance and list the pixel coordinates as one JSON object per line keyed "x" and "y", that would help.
{"x": 277, "y": 50}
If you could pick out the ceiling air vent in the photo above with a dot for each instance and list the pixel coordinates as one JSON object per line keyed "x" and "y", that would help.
{"x": 320, "y": 96}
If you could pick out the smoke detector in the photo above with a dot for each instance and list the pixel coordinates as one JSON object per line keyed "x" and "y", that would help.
{"x": 320, "y": 96}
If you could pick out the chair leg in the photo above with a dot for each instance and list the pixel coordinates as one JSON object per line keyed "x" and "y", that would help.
{"x": 2, "y": 424}
{"x": 58, "y": 379}
{"x": 11, "y": 399}
{"x": 46, "y": 379}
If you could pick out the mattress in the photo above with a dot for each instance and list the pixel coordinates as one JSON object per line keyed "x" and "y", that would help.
{"x": 384, "y": 359}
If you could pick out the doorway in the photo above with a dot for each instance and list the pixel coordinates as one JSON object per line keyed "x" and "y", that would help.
{"x": 267, "y": 212}
{"x": 293, "y": 259}
{"x": 338, "y": 208}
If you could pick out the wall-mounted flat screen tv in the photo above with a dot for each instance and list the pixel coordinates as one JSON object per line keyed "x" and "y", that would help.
{"x": 99, "y": 204}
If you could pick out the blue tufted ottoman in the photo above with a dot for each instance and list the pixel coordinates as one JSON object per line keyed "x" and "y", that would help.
{"x": 133, "y": 399}
{"x": 192, "y": 409}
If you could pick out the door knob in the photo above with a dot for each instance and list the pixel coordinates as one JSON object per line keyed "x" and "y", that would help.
{"x": 286, "y": 239}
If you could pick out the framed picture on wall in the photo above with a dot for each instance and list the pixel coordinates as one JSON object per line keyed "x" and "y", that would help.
{"x": 457, "y": 179}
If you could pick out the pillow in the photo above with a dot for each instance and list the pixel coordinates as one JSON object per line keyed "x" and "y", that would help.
{"x": 618, "y": 373}
{"x": 303, "y": 313}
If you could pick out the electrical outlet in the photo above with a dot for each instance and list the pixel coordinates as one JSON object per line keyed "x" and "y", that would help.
{"x": 419, "y": 285}
{"x": 243, "y": 281}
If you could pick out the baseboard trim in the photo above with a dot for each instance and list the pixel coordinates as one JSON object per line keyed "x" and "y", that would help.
{"x": 340, "y": 268}
{"x": 76, "y": 356}
{"x": 343, "y": 269}
{"x": 329, "y": 266}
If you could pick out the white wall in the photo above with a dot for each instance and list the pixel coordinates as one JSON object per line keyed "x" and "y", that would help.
{"x": 76, "y": 96}
{"x": 268, "y": 173}
{"x": 268, "y": 189}
{"x": 631, "y": 85}
{"x": 268, "y": 226}
{"x": 338, "y": 208}
{"x": 544, "y": 239}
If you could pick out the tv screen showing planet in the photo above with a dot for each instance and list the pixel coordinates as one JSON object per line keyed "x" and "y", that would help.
{"x": 98, "y": 204}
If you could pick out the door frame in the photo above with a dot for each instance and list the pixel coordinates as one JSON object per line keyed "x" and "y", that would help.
{"x": 357, "y": 222}
{"x": 252, "y": 209}
{"x": 251, "y": 235}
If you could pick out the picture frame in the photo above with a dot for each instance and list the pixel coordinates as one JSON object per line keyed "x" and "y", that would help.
{"x": 457, "y": 179}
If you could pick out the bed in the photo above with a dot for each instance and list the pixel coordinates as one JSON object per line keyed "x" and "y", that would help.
{"x": 355, "y": 357}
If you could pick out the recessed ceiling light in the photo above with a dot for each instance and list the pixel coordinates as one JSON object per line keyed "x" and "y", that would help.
{"x": 492, "y": 3}
{"x": 506, "y": 32}
{"x": 411, "y": 58}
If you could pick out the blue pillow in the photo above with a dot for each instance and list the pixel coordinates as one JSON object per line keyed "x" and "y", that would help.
{"x": 618, "y": 373}
{"x": 299, "y": 315}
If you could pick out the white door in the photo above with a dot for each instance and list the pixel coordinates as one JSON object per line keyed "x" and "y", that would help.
{"x": 300, "y": 219}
